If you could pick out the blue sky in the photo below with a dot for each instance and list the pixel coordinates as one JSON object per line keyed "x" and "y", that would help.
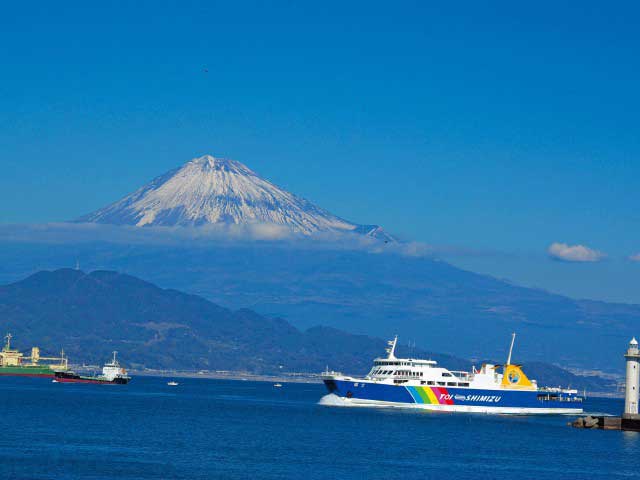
{"x": 494, "y": 129}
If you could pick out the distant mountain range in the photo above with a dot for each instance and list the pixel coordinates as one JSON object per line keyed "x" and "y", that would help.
{"x": 426, "y": 301}
{"x": 89, "y": 315}
{"x": 210, "y": 190}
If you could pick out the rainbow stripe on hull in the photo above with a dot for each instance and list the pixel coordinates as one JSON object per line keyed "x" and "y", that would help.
{"x": 368, "y": 393}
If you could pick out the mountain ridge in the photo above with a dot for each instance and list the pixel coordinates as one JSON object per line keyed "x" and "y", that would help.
{"x": 381, "y": 294}
{"x": 91, "y": 314}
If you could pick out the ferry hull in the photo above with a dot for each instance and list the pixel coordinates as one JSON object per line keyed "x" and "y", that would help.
{"x": 451, "y": 399}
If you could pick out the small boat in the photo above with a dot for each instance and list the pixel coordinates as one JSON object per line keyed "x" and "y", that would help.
{"x": 277, "y": 385}
{"x": 112, "y": 374}
{"x": 172, "y": 383}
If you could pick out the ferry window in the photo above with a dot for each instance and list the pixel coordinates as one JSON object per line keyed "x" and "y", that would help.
{"x": 422, "y": 382}
{"x": 452, "y": 384}
{"x": 446, "y": 374}
{"x": 441, "y": 383}
{"x": 430, "y": 382}
{"x": 463, "y": 384}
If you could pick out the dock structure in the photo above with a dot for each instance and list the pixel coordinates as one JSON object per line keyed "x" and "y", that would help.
{"x": 630, "y": 419}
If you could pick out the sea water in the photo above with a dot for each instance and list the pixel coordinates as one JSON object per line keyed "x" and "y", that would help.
{"x": 240, "y": 429}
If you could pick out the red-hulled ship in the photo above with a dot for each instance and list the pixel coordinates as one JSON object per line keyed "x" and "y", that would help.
{"x": 112, "y": 373}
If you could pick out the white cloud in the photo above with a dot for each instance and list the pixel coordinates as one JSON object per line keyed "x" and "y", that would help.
{"x": 635, "y": 258}
{"x": 574, "y": 253}
{"x": 222, "y": 234}
{"x": 207, "y": 235}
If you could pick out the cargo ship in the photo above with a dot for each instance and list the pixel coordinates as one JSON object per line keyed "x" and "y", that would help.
{"x": 14, "y": 363}
{"x": 422, "y": 384}
{"x": 112, "y": 373}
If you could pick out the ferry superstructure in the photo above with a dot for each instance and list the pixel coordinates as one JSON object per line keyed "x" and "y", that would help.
{"x": 415, "y": 383}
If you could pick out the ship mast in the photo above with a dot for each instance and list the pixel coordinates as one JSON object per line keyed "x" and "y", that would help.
{"x": 8, "y": 336}
{"x": 513, "y": 339}
{"x": 391, "y": 350}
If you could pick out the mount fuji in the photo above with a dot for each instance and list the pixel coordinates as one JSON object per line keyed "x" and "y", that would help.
{"x": 209, "y": 190}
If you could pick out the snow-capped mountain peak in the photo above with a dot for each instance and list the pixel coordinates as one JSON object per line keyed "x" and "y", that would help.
{"x": 210, "y": 190}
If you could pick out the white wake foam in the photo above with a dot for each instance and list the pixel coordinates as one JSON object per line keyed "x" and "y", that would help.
{"x": 332, "y": 400}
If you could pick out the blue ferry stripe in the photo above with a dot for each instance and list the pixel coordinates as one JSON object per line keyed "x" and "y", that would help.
{"x": 461, "y": 396}
{"x": 415, "y": 395}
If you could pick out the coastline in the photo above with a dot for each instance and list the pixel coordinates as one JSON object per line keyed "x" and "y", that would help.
{"x": 230, "y": 375}
{"x": 311, "y": 378}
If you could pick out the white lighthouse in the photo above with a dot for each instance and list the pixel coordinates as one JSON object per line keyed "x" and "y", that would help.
{"x": 633, "y": 372}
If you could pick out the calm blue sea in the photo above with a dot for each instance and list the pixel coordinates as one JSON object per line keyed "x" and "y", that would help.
{"x": 238, "y": 430}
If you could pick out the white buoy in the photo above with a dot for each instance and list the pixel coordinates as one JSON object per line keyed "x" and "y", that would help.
{"x": 632, "y": 381}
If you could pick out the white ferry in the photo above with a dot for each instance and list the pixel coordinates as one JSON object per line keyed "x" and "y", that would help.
{"x": 414, "y": 383}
